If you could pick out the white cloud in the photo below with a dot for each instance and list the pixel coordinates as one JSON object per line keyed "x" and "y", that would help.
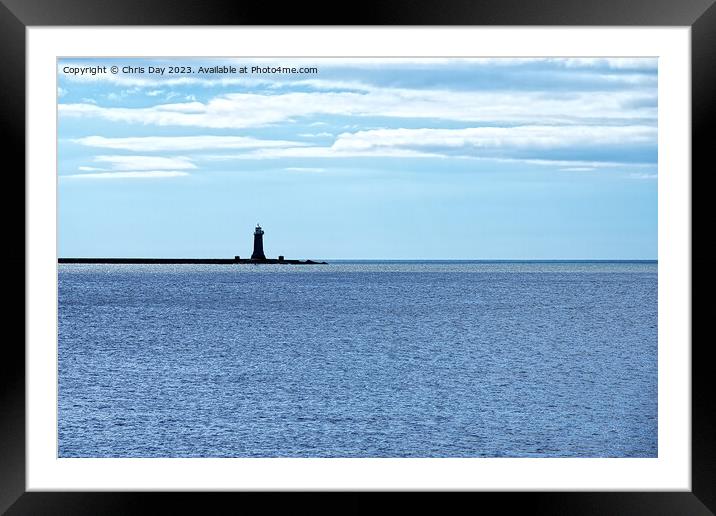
{"x": 240, "y": 110}
{"x": 474, "y": 143}
{"x": 181, "y": 143}
{"x": 315, "y": 135}
{"x": 145, "y": 162}
{"x": 573, "y": 163}
{"x": 144, "y": 174}
{"x": 543, "y": 137}
{"x": 61, "y": 92}
{"x": 470, "y": 142}
{"x": 615, "y": 63}
{"x": 611, "y": 75}
{"x": 139, "y": 80}
{"x": 305, "y": 169}
{"x": 326, "y": 152}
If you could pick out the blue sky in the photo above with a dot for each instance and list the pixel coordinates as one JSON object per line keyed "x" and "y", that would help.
{"x": 406, "y": 158}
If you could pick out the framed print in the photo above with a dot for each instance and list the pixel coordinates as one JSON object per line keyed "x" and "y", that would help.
{"x": 437, "y": 250}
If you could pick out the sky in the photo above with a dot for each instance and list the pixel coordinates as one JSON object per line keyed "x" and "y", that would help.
{"x": 346, "y": 158}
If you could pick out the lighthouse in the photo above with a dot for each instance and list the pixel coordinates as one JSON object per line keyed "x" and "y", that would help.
{"x": 258, "y": 253}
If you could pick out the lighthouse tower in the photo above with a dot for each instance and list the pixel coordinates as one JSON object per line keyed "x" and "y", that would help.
{"x": 258, "y": 253}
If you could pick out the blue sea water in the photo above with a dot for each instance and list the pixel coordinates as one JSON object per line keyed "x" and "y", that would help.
{"x": 358, "y": 359}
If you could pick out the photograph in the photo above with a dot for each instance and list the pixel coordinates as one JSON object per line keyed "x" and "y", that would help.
{"x": 410, "y": 247}
{"x": 357, "y": 257}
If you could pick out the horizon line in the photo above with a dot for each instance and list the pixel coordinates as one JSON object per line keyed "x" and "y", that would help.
{"x": 380, "y": 259}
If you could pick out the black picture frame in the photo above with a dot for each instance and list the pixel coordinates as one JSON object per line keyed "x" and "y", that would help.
{"x": 17, "y": 15}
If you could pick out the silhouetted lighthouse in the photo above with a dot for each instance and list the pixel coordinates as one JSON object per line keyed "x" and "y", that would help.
{"x": 258, "y": 253}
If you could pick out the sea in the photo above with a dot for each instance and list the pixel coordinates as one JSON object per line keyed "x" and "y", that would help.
{"x": 358, "y": 359}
